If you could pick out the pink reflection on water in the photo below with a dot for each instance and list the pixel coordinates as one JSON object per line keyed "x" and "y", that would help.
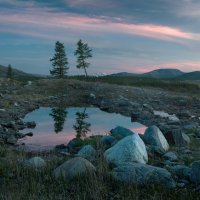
{"x": 44, "y": 138}
{"x": 139, "y": 130}
{"x": 46, "y": 141}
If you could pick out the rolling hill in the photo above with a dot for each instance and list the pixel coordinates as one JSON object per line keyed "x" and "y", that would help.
{"x": 158, "y": 73}
{"x": 190, "y": 76}
{"x": 164, "y": 73}
{"x": 124, "y": 74}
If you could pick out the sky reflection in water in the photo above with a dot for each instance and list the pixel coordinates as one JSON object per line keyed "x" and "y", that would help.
{"x": 45, "y": 138}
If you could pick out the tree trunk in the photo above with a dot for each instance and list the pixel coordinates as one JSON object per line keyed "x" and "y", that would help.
{"x": 86, "y": 75}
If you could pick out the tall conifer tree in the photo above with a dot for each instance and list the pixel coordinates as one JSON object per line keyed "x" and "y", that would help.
{"x": 83, "y": 52}
{"x": 59, "y": 61}
{"x": 10, "y": 72}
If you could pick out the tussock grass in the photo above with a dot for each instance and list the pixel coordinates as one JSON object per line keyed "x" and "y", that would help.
{"x": 170, "y": 84}
{"x": 20, "y": 183}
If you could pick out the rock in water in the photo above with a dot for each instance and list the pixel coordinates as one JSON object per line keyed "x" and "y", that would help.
{"x": 74, "y": 167}
{"x": 154, "y": 137}
{"x": 195, "y": 172}
{"x": 143, "y": 174}
{"x": 35, "y": 162}
{"x": 129, "y": 149}
{"x": 87, "y": 152}
{"x": 11, "y": 140}
{"x": 120, "y": 132}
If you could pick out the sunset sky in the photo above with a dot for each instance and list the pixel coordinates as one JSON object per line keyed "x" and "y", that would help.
{"x": 125, "y": 35}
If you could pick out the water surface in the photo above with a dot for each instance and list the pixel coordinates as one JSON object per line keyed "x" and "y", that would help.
{"x": 55, "y": 126}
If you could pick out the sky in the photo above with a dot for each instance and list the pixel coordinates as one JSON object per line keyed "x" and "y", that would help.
{"x": 126, "y": 35}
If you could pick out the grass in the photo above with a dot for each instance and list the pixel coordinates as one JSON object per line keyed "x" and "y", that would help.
{"x": 195, "y": 144}
{"x": 3, "y": 150}
{"x": 20, "y": 183}
{"x": 171, "y": 84}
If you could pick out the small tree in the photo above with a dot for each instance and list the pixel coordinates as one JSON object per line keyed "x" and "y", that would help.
{"x": 81, "y": 127}
{"x": 83, "y": 52}
{"x": 10, "y": 72}
{"x": 59, "y": 61}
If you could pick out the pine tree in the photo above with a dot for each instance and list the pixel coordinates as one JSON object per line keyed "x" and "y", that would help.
{"x": 59, "y": 61}
{"x": 83, "y": 52}
{"x": 10, "y": 72}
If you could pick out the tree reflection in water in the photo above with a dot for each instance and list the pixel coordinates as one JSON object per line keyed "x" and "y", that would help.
{"x": 81, "y": 126}
{"x": 59, "y": 115}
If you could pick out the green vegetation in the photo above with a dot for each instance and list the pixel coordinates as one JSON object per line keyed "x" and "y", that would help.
{"x": 3, "y": 151}
{"x": 20, "y": 183}
{"x": 195, "y": 144}
{"x": 172, "y": 85}
{"x": 59, "y": 61}
{"x": 83, "y": 52}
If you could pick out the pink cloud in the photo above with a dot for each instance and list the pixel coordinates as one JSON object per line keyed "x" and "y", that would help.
{"x": 45, "y": 20}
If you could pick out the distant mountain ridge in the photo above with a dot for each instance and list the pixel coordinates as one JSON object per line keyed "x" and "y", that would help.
{"x": 16, "y": 73}
{"x": 190, "y": 76}
{"x": 124, "y": 74}
{"x": 164, "y": 73}
{"x": 167, "y": 73}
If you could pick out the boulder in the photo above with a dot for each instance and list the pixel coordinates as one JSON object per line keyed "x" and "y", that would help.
{"x": 107, "y": 140}
{"x": 177, "y": 137}
{"x": 154, "y": 137}
{"x": 129, "y": 149}
{"x": 35, "y": 162}
{"x": 87, "y": 152}
{"x": 11, "y": 140}
{"x": 195, "y": 172}
{"x": 73, "y": 145}
{"x": 181, "y": 171}
{"x": 74, "y": 167}
{"x": 30, "y": 134}
{"x": 171, "y": 156}
{"x": 31, "y": 124}
{"x": 120, "y": 132}
{"x": 142, "y": 174}
{"x": 135, "y": 116}
{"x": 106, "y": 105}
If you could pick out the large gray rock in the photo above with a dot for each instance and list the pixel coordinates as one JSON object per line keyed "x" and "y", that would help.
{"x": 195, "y": 172}
{"x": 154, "y": 137}
{"x": 35, "y": 162}
{"x": 142, "y": 174}
{"x": 129, "y": 149}
{"x": 74, "y": 167}
{"x": 181, "y": 171}
{"x": 177, "y": 137}
{"x": 120, "y": 132}
{"x": 87, "y": 152}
